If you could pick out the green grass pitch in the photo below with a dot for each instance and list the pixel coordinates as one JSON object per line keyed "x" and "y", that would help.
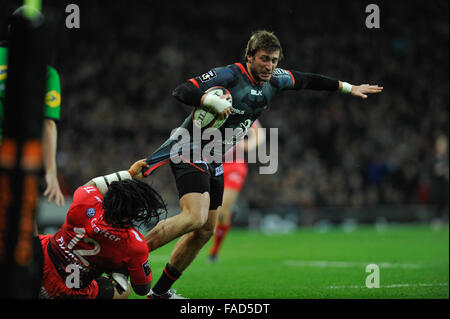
{"x": 413, "y": 262}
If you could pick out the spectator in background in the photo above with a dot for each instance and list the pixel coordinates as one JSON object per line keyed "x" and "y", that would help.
{"x": 52, "y": 110}
{"x": 400, "y": 125}
{"x": 440, "y": 179}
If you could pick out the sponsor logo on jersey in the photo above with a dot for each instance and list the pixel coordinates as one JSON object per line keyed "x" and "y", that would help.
{"x": 53, "y": 99}
{"x": 238, "y": 133}
{"x": 279, "y": 71}
{"x": 90, "y": 212}
{"x": 256, "y": 92}
{"x": 219, "y": 170}
{"x": 3, "y": 72}
{"x": 68, "y": 255}
{"x": 237, "y": 111}
{"x": 103, "y": 232}
{"x": 208, "y": 76}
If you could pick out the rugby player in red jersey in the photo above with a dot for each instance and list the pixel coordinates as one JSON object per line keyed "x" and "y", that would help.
{"x": 99, "y": 236}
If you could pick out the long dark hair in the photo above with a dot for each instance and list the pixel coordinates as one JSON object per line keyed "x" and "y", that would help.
{"x": 132, "y": 203}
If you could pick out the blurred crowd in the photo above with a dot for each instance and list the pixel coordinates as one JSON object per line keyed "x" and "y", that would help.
{"x": 119, "y": 69}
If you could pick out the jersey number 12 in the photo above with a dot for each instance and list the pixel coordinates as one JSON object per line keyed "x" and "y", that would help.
{"x": 83, "y": 252}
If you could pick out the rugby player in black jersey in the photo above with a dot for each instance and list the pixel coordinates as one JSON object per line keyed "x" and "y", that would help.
{"x": 252, "y": 85}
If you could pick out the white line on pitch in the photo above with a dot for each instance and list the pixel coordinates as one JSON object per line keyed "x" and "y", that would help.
{"x": 394, "y": 286}
{"x": 346, "y": 264}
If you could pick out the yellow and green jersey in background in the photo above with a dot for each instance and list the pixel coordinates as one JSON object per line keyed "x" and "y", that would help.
{"x": 52, "y": 108}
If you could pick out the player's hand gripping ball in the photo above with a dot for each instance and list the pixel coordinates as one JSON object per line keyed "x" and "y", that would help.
{"x": 206, "y": 117}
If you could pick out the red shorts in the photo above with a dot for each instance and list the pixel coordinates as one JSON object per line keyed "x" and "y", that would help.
{"x": 234, "y": 175}
{"x": 53, "y": 286}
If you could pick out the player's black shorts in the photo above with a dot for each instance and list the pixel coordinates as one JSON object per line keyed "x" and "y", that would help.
{"x": 199, "y": 178}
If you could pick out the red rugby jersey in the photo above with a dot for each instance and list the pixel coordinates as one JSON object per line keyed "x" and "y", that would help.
{"x": 96, "y": 247}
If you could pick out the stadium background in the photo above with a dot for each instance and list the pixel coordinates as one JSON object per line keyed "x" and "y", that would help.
{"x": 341, "y": 158}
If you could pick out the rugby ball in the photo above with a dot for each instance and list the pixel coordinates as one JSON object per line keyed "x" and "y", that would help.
{"x": 204, "y": 117}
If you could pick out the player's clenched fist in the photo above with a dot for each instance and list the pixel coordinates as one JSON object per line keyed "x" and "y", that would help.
{"x": 136, "y": 169}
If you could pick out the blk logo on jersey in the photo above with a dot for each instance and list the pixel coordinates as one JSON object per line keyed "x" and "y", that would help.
{"x": 256, "y": 92}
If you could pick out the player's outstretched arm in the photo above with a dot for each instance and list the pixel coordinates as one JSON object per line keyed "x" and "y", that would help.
{"x": 102, "y": 182}
{"x": 359, "y": 90}
{"x": 312, "y": 81}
